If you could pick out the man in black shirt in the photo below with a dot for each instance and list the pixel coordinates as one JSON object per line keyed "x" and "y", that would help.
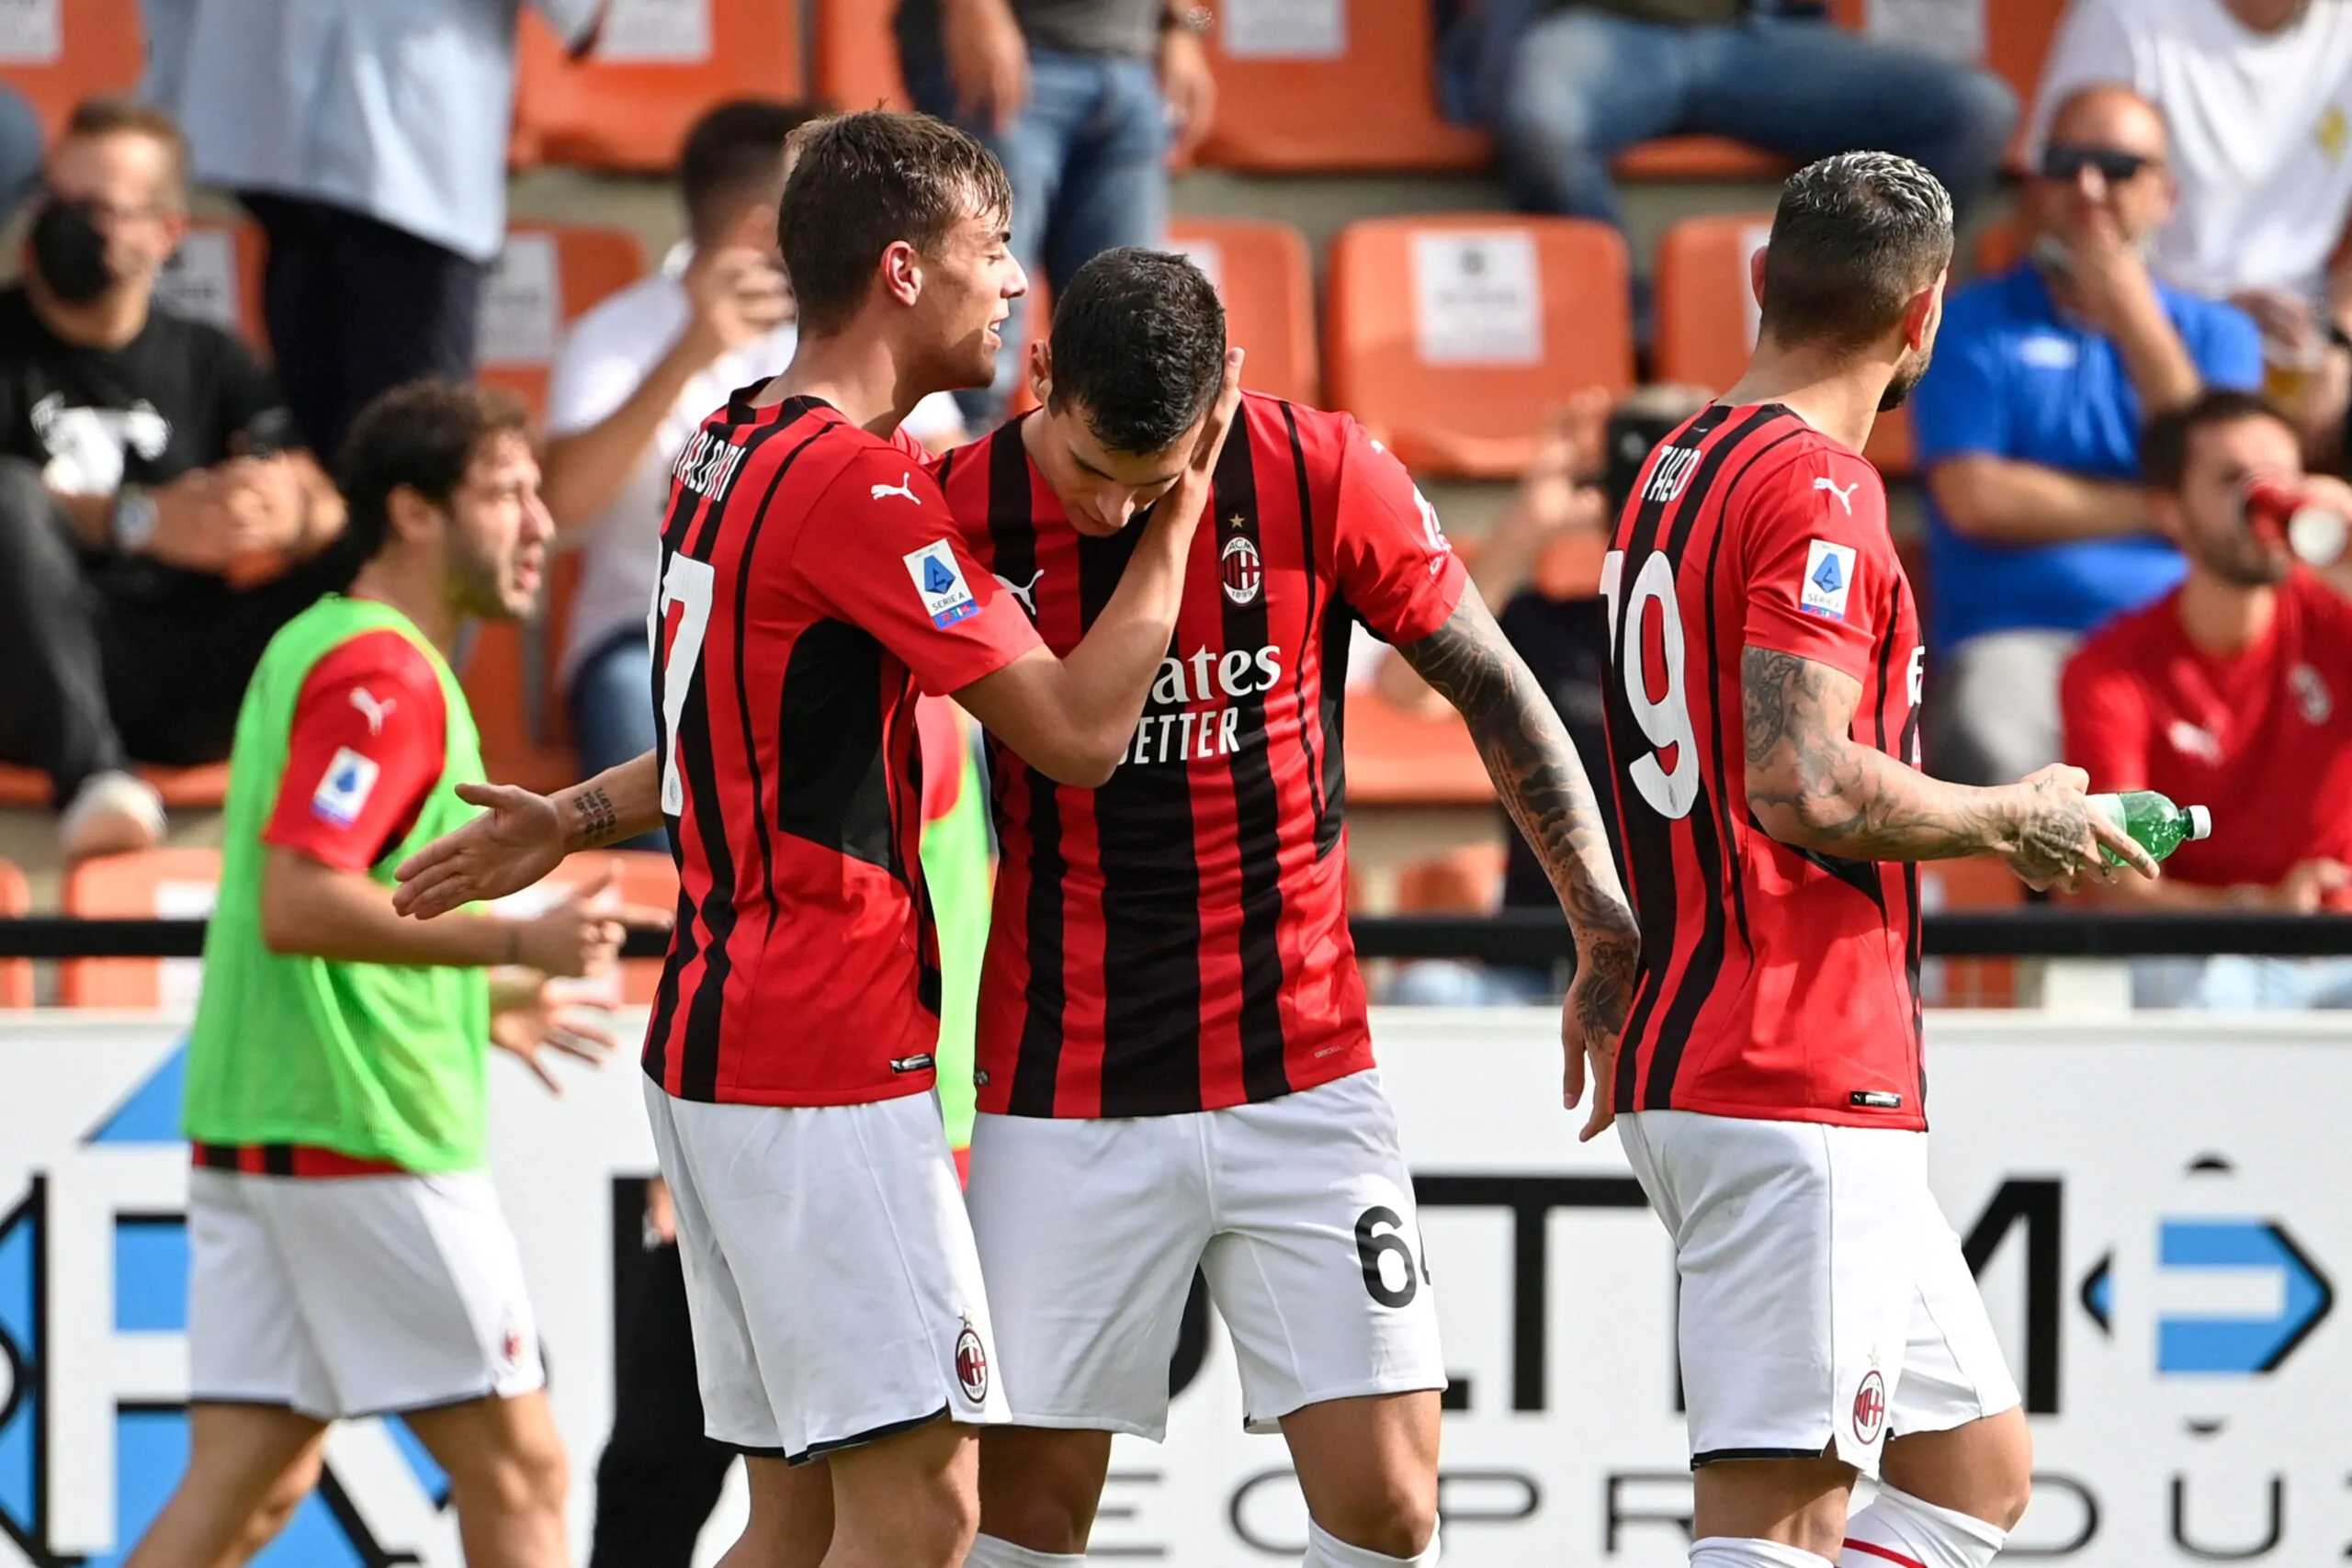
{"x": 157, "y": 523}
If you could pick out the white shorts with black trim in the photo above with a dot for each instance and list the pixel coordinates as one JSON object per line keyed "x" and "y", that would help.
{"x": 1298, "y": 1210}
{"x": 831, "y": 1277}
{"x": 355, "y": 1295}
{"x": 1826, "y": 1305}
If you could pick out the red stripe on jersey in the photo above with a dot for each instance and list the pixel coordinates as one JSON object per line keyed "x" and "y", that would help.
{"x": 1775, "y": 982}
{"x": 1177, "y": 940}
{"x": 812, "y": 582}
{"x": 302, "y": 1160}
{"x": 1869, "y": 1549}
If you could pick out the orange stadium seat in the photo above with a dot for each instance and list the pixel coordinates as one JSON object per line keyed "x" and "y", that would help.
{"x": 1981, "y": 882}
{"x": 215, "y": 276}
{"x": 628, "y": 105}
{"x": 16, "y": 974}
{"x": 1701, "y": 158}
{"x": 172, "y": 883}
{"x": 1395, "y": 758}
{"x": 548, "y": 275}
{"x": 96, "y": 47}
{"x": 1706, "y": 316}
{"x": 1467, "y": 880}
{"x": 1262, "y": 271}
{"x": 857, "y": 56}
{"x": 1452, "y": 338}
{"x": 1361, "y": 96}
{"x": 199, "y": 788}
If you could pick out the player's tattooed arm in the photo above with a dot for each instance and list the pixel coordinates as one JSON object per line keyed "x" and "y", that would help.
{"x": 1812, "y": 784}
{"x": 1543, "y": 783}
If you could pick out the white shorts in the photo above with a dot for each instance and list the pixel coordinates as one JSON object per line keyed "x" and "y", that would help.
{"x": 355, "y": 1295}
{"x": 830, "y": 1278}
{"x": 1299, "y": 1210}
{"x": 1825, "y": 1300}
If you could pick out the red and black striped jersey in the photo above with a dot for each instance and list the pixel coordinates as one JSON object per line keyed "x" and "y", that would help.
{"x": 1775, "y": 982}
{"x": 1177, "y": 940}
{"x": 811, "y": 581}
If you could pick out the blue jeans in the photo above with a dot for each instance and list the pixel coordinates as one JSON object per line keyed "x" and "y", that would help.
{"x": 1584, "y": 86}
{"x": 612, "y": 713}
{"x": 1088, "y": 159}
{"x": 20, "y": 150}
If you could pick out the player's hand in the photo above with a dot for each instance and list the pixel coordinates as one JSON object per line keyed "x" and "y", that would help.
{"x": 1592, "y": 1022}
{"x": 518, "y": 840}
{"x": 738, "y": 296}
{"x": 534, "y": 1026}
{"x": 2059, "y": 836}
{"x": 1182, "y": 506}
{"x": 987, "y": 62}
{"x": 572, "y": 936}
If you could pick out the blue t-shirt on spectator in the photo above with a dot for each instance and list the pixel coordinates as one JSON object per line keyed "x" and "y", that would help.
{"x": 2013, "y": 378}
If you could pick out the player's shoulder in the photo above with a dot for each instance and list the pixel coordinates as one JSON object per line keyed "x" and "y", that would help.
{"x": 1793, "y": 461}
{"x": 863, "y": 473}
{"x": 379, "y": 660}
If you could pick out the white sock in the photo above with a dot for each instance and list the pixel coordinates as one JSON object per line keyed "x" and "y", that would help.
{"x": 988, "y": 1552}
{"x": 1738, "y": 1552}
{"x": 1898, "y": 1530}
{"x": 1325, "y": 1550}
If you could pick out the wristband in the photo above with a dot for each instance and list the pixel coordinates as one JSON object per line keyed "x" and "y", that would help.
{"x": 131, "y": 524}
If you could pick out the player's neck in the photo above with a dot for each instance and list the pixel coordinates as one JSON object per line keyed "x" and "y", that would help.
{"x": 416, "y": 589}
{"x": 861, "y": 374}
{"x": 2225, "y": 618}
{"x": 1839, "y": 400}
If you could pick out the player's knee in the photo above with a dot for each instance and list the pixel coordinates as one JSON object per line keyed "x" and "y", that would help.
{"x": 1039, "y": 1489}
{"x": 935, "y": 1527}
{"x": 1038, "y": 1518}
{"x": 527, "y": 1477}
{"x": 1396, "y": 1520}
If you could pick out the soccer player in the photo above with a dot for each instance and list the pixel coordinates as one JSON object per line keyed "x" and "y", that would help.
{"x": 347, "y": 1255}
{"x": 812, "y": 582}
{"x": 1175, "y": 1066}
{"x": 1762, "y": 711}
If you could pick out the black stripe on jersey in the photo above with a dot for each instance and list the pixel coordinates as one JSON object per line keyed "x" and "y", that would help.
{"x": 743, "y": 691}
{"x": 1012, "y": 555}
{"x": 697, "y": 769}
{"x": 838, "y": 794}
{"x": 1707, "y": 839}
{"x": 1333, "y": 640}
{"x": 1648, "y": 868}
{"x": 1257, "y": 808}
{"x": 1152, "y": 898}
{"x": 1324, "y": 779}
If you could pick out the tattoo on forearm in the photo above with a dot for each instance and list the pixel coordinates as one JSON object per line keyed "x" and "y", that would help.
{"x": 1794, "y": 718}
{"x": 1542, "y": 784}
{"x": 599, "y": 822}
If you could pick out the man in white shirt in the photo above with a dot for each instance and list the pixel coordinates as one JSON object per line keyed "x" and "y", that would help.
{"x": 2259, "y": 96}
{"x": 637, "y": 376}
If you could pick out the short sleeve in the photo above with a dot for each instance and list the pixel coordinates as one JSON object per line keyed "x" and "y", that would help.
{"x": 1817, "y": 559}
{"x": 1394, "y": 564}
{"x": 2093, "y": 45}
{"x": 2227, "y": 348}
{"x": 2105, "y": 711}
{"x": 1960, "y": 405}
{"x": 250, "y": 403}
{"x": 891, "y": 561}
{"x": 594, "y": 374}
{"x": 368, "y": 746}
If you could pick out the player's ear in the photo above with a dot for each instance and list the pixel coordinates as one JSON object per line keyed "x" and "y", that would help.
{"x": 901, "y": 271}
{"x": 1756, "y": 274}
{"x": 1041, "y": 373}
{"x": 413, "y": 518}
{"x": 1922, "y": 314}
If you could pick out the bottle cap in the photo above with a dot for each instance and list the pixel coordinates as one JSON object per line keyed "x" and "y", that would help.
{"x": 2201, "y": 822}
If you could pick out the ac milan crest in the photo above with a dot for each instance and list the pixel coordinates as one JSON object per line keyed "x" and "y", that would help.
{"x": 972, "y": 1365}
{"x": 1870, "y": 1407}
{"x": 1243, "y": 573}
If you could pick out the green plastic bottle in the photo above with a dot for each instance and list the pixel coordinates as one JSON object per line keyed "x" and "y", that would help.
{"x": 2157, "y": 825}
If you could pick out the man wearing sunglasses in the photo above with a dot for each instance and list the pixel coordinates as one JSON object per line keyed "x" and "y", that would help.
{"x": 2028, "y": 432}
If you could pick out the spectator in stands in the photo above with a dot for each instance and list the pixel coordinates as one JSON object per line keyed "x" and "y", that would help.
{"x": 2028, "y": 431}
{"x": 157, "y": 524}
{"x": 2232, "y": 691}
{"x": 636, "y": 378}
{"x": 2259, "y": 96}
{"x": 1084, "y": 101}
{"x": 369, "y": 143}
{"x": 1569, "y": 84}
{"x": 1540, "y": 564}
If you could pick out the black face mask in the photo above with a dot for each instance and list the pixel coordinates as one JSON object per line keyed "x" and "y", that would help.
{"x": 70, "y": 252}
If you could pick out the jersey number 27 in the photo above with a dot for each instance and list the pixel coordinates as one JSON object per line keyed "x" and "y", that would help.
{"x": 1669, "y": 787}
{"x": 681, "y": 616}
